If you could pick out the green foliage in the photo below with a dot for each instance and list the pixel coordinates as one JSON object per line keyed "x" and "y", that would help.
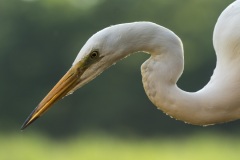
{"x": 103, "y": 147}
{"x": 39, "y": 39}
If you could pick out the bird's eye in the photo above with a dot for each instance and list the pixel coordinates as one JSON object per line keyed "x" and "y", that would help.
{"x": 94, "y": 54}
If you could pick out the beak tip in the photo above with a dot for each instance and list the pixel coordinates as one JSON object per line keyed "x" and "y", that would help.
{"x": 25, "y": 124}
{"x": 28, "y": 121}
{"x": 23, "y": 127}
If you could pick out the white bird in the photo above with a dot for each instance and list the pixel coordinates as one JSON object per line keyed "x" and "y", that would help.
{"x": 217, "y": 102}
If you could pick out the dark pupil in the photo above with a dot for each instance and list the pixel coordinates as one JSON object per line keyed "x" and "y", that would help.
{"x": 94, "y": 54}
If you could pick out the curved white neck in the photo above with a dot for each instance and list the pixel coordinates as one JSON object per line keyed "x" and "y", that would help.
{"x": 213, "y": 104}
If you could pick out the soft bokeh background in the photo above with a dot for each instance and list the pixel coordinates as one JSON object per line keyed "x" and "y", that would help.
{"x": 111, "y": 117}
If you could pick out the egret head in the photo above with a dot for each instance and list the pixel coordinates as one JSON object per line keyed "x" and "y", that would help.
{"x": 100, "y": 52}
{"x": 96, "y": 55}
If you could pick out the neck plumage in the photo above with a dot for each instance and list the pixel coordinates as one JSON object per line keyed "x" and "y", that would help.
{"x": 162, "y": 70}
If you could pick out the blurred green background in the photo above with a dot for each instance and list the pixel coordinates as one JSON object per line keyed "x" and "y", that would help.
{"x": 111, "y": 117}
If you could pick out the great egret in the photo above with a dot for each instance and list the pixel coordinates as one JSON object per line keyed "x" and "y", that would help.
{"x": 217, "y": 102}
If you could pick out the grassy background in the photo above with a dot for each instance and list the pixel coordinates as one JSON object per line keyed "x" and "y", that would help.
{"x": 25, "y": 146}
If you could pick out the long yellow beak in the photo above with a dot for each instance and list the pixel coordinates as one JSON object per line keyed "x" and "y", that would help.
{"x": 61, "y": 89}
